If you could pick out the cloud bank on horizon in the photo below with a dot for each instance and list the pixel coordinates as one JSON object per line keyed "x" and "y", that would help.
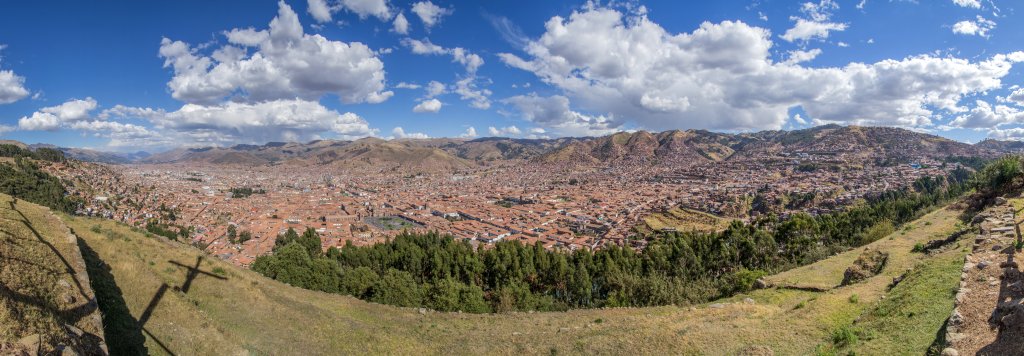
{"x": 347, "y": 69}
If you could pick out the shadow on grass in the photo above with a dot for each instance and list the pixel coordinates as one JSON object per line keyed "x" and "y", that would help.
{"x": 939, "y": 344}
{"x": 123, "y": 332}
{"x": 70, "y": 270}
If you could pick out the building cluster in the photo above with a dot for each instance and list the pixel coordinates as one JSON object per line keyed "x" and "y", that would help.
{"x": 559, "y": 207}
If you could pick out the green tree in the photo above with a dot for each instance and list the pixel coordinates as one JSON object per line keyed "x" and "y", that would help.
{"x": 244, "y": 236}
{"x": 310, "y": 239}
{"x": 290, "y": 264}
{"x": 359, "y": 281}
{"x": 397, "y": 288}
{"x": 288, "y": 237}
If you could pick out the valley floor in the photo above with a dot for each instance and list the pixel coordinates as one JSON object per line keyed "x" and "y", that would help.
{"x": 163, "y": 297}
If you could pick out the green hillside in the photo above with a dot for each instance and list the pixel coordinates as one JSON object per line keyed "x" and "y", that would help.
{"x": 151, "y": 304}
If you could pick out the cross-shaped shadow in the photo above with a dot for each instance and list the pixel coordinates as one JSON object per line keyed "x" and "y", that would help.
{"x": 193, "y": 272}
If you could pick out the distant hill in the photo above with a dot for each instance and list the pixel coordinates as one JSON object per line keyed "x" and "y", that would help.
{"x": 12, "y": 142}
{"x": 1001, "y": 146}
{"x": 363, "y": 153}
{"x": 490, "y": 149}
{"x": 84, "y": 154}
{"x": 87, "y": 155}
{"x": 372, "y": 153}
{"x": 706, "y": 146}
{"x": 868, "y": 141}
{"x": 378, "y": 153}
{"x": 643, "y": 146}
{"x": 674, "y": 146}
{"x": 639, "y": 147}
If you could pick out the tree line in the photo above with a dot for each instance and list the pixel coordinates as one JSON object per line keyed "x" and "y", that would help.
{"x": 241, "y": 193}
{"x": 447, "y": 274}
{"x": 42, "y": 153}
{"x": 25, "y": 180}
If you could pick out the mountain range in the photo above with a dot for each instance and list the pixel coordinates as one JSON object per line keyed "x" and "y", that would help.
{"x": 447, "y": 154}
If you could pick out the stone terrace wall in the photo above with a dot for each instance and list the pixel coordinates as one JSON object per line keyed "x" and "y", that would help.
{"x": 988, "y": 317}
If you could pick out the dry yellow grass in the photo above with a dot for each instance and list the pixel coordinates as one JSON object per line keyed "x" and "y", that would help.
{"x": 683, "y": 219}
{"x": 42, "y": 284}
{"x": 248, "y": 313}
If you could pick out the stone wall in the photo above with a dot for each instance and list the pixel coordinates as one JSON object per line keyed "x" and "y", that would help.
{"x": 94, "y": 319}
{"x": 988, "y": 314}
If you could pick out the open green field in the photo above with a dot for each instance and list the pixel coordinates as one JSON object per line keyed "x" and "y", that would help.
{"x": 391, "y": 223}
{"x": 683, "y": 219}
{"x": 163, "y": 297}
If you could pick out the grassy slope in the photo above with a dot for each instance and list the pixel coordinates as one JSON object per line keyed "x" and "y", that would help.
{"x": 935, "y": 225}
{"x": 914, "y": 310}
{"x": 40, "y": 290}
{"x": 249, "y": 312}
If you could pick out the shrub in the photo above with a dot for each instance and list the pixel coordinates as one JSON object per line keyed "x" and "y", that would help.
{"x": 868, "y": 264}
{"x": 844, "y": 337}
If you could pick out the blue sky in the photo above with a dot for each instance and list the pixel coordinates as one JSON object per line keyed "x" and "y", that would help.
{"x": 126, "y": 76}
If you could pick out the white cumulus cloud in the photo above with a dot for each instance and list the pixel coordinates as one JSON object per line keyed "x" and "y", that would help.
{"x": 504, "y": 131}
{"x": 806, "y": 30}
{"x": 429, "y": 13}
{"x": 1015, "y": 134}
{"x": 12, "y": 86}
{"x": 816, "y": 22}
{"x": 974, "y": 4}
{"x": 279, "y": 63}
{"x": 398, "y": 132}
{"x": 428, "y": 106}
{"x": 722, "y": 76}
{"x": 979, "y": 27}
{"x": 477, "y": 97}
{"x": 800, "y": 56}
{"x": 985, "y": 115}
{"x": 39, "y": 121}
{"x": 467, "y": 59}
{"x": 467, "y": 87}
{"x": 1016, "y": 97}
{"x": 53, "y": 117}
{"x": 470, "y": 133}
{"x": 322, "y": 10}
{"x": 553, "y": 113}
{"x": 405, "y": 85}
{"x": 423, "y": 47}
{"x": 277, "y": 120}
{"x": 401, "y": 24}
{"x": 435, "y": 88}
